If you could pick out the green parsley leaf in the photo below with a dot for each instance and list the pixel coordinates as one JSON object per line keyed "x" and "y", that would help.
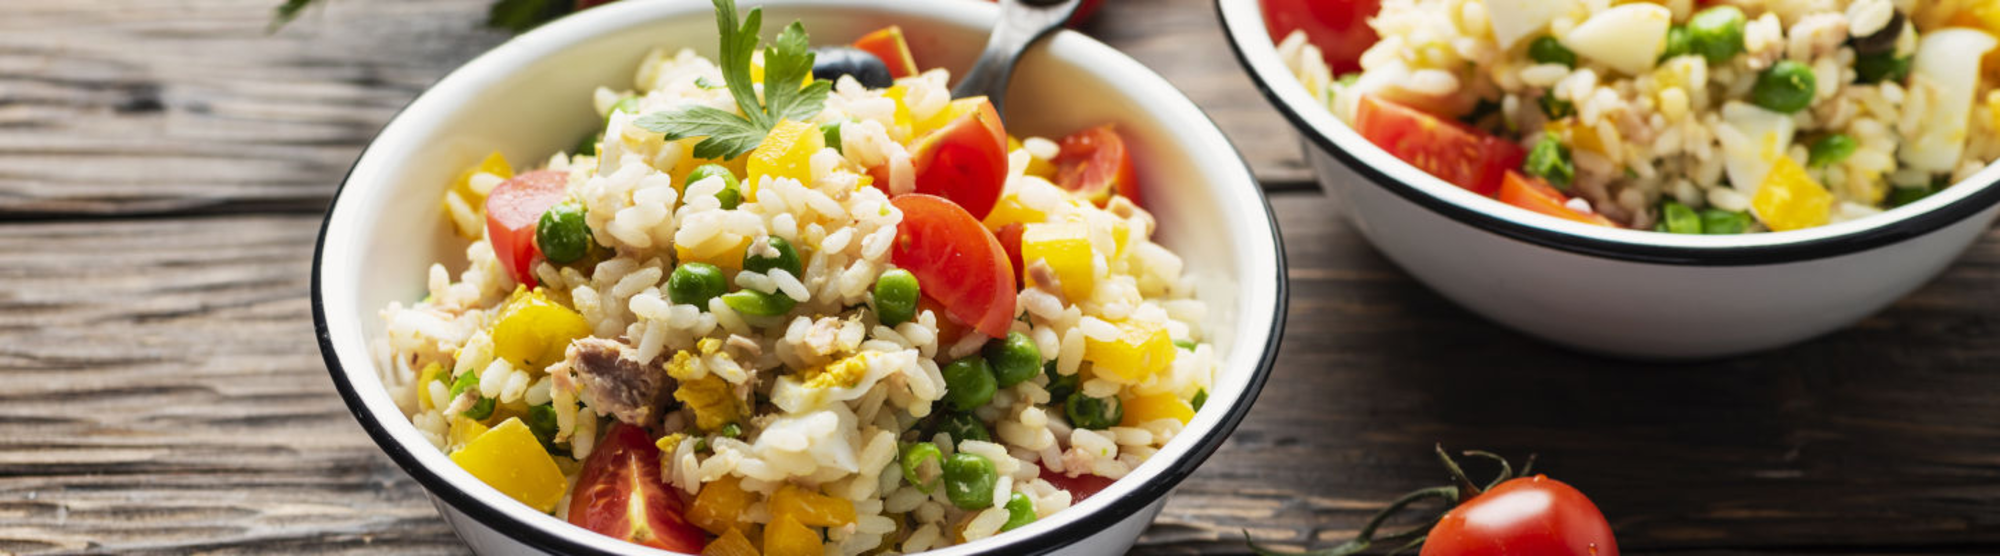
{"x": 287, "y": 12}
{"x": 787, "y": 63}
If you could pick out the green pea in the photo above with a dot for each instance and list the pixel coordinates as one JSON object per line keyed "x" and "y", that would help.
{"x": 896, "y": 294}
{"x": 481, "y": 409}
{"x": 1015, "y": 359}
{"x": 731, "y": 430}
{"x": 1200, "y": 399}
{"x": 1786, "y": 87}
{"x": 1905, "y": 195}
{"x": 831, "y": 130}
{"x": 695, "y": 284}
{"x": 756, "y": 303}
{"x": 1550, "y": 160}
{"x": 588, "y": 144}
{"x": 627, "y": 105}
{"x": 542, "y": 421}
{"x": 787, "y": 258}
{"x": 700, "y": 445}
{"x": 1020, "y": 511}
{"x": 1548, "y": 50}
{"x": 963, "y": 427}
{"x": 969, "y": 481}
{"x": 968, "y": 383}
{"x": 922, "y": 463}
{"x": 562, "y": 234}
{"x": 1086, "y": 412}
{"x": 1882, "y": 67}
{"x": 1556, "y": 108}
{"x": 1722, "y": 222}
{"x": 1831, "y": 149}
{"x": 1061, "y": 386}
{"x": 1679, "y": 43}
{"x": 1717, "y": 33}
{"x": 731, "y": 194}
{"x": 1679, "y": 218}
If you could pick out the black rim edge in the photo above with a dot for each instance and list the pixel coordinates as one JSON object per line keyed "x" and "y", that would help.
{"x": 543, "y": 539}
{"x": 1862, "y": 240}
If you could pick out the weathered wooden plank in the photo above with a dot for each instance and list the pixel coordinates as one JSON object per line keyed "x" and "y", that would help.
{"x": 163, "y": 392}
{"x": 168, "y": 106}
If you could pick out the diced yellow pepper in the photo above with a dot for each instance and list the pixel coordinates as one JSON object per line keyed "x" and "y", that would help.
{"x": 720, "y": 505}
{"x": 901, "y": 120}
{"x": 1036, "y": 166}
{"x": 950, "y": 113}
{"x": 1065, "y": 247}
{"x": 732, "y": 543}
{"x": 464, "y": 431}
{"x": 1789, "y": 199}
{"x": 785, "y": 153}
{"x": 724, "y": 255}
{"x": 423, "y": 385}
{"x": 1010, "y": 210}
{"x": 785, "y": 536}
{"x": 811, "y": 508}
{"x": 474, "y": 198}
{"x": 1993, "y": 106}
{"x": 1140, "y": 410}
{"x": 511, "y": 460}
{"x": 534, "y": 332}
{"x": 1141, "y": 350}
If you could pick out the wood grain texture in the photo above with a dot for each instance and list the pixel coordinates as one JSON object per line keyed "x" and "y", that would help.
{"x": 163, "y": 164}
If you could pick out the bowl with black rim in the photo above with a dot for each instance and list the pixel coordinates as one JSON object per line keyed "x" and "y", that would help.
{"x": 1626, "y": 293}
{"x": 531, "y": 96}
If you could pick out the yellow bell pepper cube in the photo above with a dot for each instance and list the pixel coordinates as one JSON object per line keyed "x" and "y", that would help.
{"x": 463, "y": 431}
{"x": 1140, "y": 410}
{"x": 1010, "y": 210}
{"x": 1065, "y": 247}
{"x": 723, "y": 254}
{"x": 720, "y": 506}
{"x": 785, "y": 153}
{"x": 534, "y": 332}
{"x": 901, "y": 120}
{"x": 811, "y": 508}
{"x": 785, "y": 536}
{"x": 1789, "y": 199}
{"x": 424, "y": 377}
{"x": 511, "y": 460}
{"x": 474, "y": 198}
{"x": 732, "y": 543}
{"x": 1141, "y": 350}
{"x": 951, "y": 112}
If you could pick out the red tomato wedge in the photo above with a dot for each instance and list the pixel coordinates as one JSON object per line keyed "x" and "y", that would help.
{"x": 888, "y": 44}
{"x": 619, "y": 494}
{"x": 512, "y": 210}
{"x": 1338, "y": 27}
{"x": 1527, "y": 515}
{"x": 1095, "y": 163}
{"x": 1536, "y": 195}
{"x": 1080, "y": 487}
{"x": 966, "y": 160}
{"x": 1453, "y": 152}
{"x": 956, "y": 261}
{"x": 1010, "y": 241}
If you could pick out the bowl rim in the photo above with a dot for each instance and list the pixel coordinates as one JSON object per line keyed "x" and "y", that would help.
{"x": 561, "y": 537}
{"x": 1243, "y": 24}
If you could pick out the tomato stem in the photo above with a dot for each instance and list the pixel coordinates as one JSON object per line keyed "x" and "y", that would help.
{"x": 1466, "y": 488}
{"x": 1506, "y": 471}
{"x": 1462, "y": 490}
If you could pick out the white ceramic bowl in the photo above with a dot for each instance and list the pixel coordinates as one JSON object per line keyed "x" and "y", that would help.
{"x": 530, "y": 97}
{"x": 1628, "y": 293}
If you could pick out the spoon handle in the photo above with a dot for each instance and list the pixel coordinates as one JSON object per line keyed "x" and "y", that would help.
{"x": 1022, "y": 22}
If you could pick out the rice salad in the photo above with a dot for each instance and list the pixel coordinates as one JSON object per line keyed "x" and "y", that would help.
{"x": 862, "y": 319}
{"x": 1680, "y": 116}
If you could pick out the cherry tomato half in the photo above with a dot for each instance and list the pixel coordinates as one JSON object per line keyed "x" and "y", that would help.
{"x": 1095, "y": 164}
{"x": 626, "y": 468}
{"x": 1537, "y": 195}
{"x": 512, "y": 210}
{"x": 1338, "y": 27}
{"x": 1080, "y": 487}
{"x": 1453, "y": 152}
{"x": 966, "y": 160}
{"x": 1528, "y": 515}
{"x": 956, "y": 261}
{"x": 888, "y": 44}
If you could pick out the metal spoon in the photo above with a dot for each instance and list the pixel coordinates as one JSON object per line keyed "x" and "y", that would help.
{"x": 1022, "y": 23}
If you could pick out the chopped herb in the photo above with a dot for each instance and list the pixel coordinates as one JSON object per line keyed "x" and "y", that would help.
{"x": 1905, "y": 195}
{"x": 1679, "y": 218}
{"x": 1200, "y": 399}
{"x": 1481, "y": 111}
{"x": 1548, "y": 50}
{"x": 786, "y": 61}
{"x": 1722, "y": 222}
{"x": 1556, "y": 108}
{"x": 287, "y": 12}
{"x": 1881, "y": 67}
{"x": 1550, "y": 160}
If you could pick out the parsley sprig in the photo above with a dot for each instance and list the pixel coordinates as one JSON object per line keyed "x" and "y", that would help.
{"x": 788, "y": 62}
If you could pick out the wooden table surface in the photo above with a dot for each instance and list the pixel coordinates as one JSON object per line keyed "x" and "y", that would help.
{"x": 164, "y": 165}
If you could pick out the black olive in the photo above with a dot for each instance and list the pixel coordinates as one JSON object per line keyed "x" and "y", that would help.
{"x": 1883, "y": 40}
{"x": 830, "y": 63}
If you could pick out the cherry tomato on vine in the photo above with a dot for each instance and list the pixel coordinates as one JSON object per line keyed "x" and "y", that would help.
{"x": 1527, "y": 515}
